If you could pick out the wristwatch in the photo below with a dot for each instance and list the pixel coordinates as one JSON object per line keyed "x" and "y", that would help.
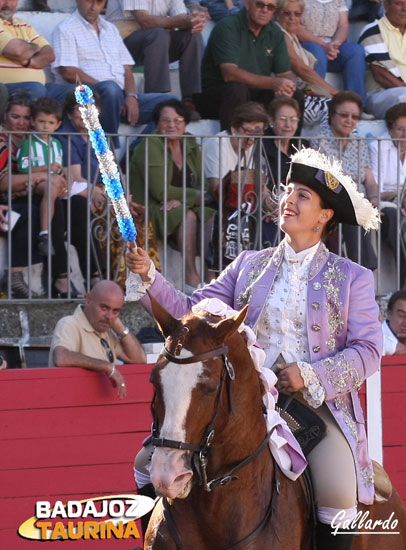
{"x": 123, "y": 334}
{"x": 132, "y": 94}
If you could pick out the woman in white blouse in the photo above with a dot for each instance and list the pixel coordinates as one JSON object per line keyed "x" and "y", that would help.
{"x": 388, "y": 165}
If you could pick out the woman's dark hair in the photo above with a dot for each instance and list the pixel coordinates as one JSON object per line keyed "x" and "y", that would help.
{"x": 342, "y": 97}
{"x": 251, "y": 111}
{"x": 279, "y": 102}
{"x": 331, "y": 226}
{"x": 394, "y": 113}
{"x": 175, "y": 104}
{"x": 71, "y": 103}
{"x": 19, "y": 97}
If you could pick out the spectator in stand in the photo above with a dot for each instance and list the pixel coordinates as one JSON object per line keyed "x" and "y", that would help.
{"x": 89, "y": 49}
{"x": 17, "y": 119}
{"x": 230, "y": 157}
{"x": 158, "y": 33}
{"x": 388, "y": 164}
{"x": 317, "y": 91}
{"x": 339, "y": 142}
{"x": 36, "y": 153}
{"x": 284, "y": 117}
{"x": 3, "y": 217}
{"x": 24, "y": 54}
{"x": 94, "y": 336}
{"x": 383, "y": 42}
{"x": 324, "y": 32}
{"x": 237, "y": 63}
{"x": 394, "y": 327}
{"x": 148, "y": 161}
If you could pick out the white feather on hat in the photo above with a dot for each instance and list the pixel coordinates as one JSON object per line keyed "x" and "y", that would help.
{"x": 366, "y": 214}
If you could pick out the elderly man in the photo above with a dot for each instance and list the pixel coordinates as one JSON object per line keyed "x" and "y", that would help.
{"x": 94, "y": 336}
{"x": 89, "y": 48}
{"x": 385, "y": 50}
{"x": 23, "y": 55}
{"x": 158, "y": 33}
{"x": 245, "y": 59}
{"x": 394, "y": 328}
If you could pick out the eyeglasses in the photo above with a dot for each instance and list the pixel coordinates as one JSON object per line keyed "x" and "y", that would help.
{"x": 107, "y": 347}
{"x": 343, "y": 116}
{"x": 293, "y": 119}
{"x": 251, "y": 131}
{"x": 176, "y": 121}
{"x": 294, "y": 13}
{"x": 261, "y": 5}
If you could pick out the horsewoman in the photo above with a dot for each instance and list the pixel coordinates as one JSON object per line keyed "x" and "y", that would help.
{"x": 314, "y": 313}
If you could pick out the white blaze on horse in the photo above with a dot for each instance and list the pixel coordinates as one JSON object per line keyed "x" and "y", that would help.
{"x": 221, "y": 488}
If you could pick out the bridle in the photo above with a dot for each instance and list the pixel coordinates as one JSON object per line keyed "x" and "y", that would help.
{"x": 200, "y": 451}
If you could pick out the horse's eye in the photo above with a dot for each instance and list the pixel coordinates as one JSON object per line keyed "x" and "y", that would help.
{"x": 209, "y": 387}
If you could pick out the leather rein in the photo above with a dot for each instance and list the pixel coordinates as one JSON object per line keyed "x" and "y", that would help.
{"x": 201, "y": 451}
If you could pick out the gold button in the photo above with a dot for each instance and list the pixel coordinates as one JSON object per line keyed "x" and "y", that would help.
{"x": 316, "y": 306}
{"x": 316, "y": 328}
{"x": 316, "y": 349}
{"x": 316, "y": 286}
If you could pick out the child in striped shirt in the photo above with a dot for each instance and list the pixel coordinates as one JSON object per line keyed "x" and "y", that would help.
{"x": 38, "y": 151}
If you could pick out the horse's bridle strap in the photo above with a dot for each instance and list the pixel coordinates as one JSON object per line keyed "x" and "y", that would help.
{"x": 216, "y": 352}
{"x": 162, "y": 442}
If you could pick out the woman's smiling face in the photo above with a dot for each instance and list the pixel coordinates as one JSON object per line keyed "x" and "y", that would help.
{"x": 301, "y": 211}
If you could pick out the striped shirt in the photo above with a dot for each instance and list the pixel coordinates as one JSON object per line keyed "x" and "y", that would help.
{"x": 101, "y": 55}
{"x": 41, "y": 153}
{"x": 376, "y": 52}
{"x": 11, "y": 71}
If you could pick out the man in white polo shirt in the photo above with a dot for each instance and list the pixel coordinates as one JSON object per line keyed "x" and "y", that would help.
{"x": 89, "y": 49}
{"x": 394, "y": 327}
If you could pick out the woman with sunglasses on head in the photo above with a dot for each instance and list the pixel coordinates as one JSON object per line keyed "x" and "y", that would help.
{"x": 339, "y": 141}
{"x": 168, "y": 159}
{"x": 315, "y": 316}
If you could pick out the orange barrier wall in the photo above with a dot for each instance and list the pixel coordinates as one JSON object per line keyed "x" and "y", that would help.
{"x": 64, "y": 435}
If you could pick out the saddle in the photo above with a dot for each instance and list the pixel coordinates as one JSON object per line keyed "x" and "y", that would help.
{"x": 308, "y": 428}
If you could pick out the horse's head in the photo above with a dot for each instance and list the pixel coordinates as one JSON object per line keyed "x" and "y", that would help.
{"x": 189, "y": 379}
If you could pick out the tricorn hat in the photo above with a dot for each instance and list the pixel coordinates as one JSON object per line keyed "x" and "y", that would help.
{"x": 337, "y": 190}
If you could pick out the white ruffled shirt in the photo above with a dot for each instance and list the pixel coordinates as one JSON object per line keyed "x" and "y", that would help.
{"x": 282, "y": 327}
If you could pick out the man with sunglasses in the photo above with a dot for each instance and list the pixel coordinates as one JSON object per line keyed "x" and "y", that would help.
{"x": 94, "y": 336}
{"x": 245, "y": 59}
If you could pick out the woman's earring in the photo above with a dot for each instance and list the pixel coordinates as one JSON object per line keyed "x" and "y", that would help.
{"x": 317, "y": 229}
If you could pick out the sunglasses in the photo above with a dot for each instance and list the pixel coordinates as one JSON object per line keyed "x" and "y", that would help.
{"x": 261, "y": 5}
{"x": 343, "y": 116}
{"x": 107, "y": 347}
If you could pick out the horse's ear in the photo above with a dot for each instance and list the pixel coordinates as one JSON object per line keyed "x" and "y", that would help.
{"x": 226, "y": 328}
{"x": 164, "y": 320}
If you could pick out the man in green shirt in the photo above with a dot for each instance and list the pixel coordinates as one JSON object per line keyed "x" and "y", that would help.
{"x": 246, "y": 59}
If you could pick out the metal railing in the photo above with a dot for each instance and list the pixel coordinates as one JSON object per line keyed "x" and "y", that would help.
{"x": 244, "y": 224}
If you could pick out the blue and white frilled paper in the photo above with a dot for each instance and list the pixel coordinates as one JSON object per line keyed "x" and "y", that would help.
{"x": 108, "y": 168}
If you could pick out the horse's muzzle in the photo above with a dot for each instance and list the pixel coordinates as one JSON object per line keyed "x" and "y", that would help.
{"x": 171, "y": 472}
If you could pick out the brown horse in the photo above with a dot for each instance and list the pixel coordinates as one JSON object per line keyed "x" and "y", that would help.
{"x": 220, "y": 486}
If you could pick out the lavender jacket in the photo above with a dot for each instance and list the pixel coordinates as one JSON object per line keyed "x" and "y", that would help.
{"x": 344, "y": 332}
